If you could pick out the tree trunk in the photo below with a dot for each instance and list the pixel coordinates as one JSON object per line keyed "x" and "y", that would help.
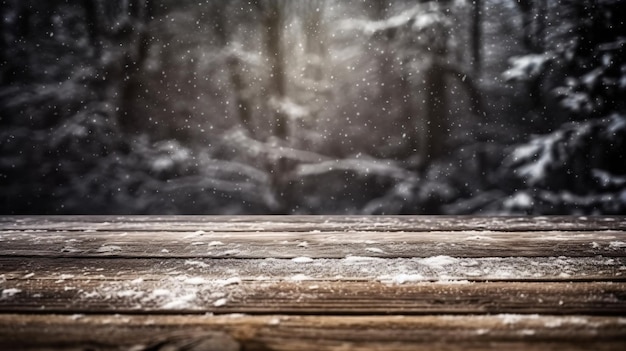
{"x": 383, "y": 57}
{"x": 533, "y": 14}
{"x": 408, "y": 117}
{"x": 244, "y": 108}
{"x": 540, "y": 28}
{"x": 233, "y": 66}
{"x": 471, "y": 88}
{"x": 437, "y": 99}
{"x": 92, "y": 21}
{"x": 436, "y": 106}
{"x": 476, "y": 36}
{"x": 134, "y": 59}
{"x": 272, "y": 22}
{"x": 526, "y": 8}
{"x": 314, "y": 44}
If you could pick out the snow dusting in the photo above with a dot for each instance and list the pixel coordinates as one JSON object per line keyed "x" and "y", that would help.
{"x": 617, "y": 244}
{"x": 302, "y": 259}
{"x": 221, "y": 302}
{"x": 7, "y": 293}
{"x": 438, "y": 261}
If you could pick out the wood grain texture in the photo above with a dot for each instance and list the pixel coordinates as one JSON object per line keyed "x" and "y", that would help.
{"x": 312, "y": 283}
{"x": 317, "y": 333}
{"x": 316, "y": 244}
{"x": 315, "y": 297}
{"x": 355, "y": 285}
{"x": 437, "y": 268}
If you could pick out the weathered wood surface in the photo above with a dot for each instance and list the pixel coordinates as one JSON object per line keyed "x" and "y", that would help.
{"x": 314, "y": 333}
{"x": 317, "y": 244}
{"x": 312, "y": 283}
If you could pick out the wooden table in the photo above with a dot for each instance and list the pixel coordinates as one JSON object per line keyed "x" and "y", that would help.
{"x": 312, "y": 283}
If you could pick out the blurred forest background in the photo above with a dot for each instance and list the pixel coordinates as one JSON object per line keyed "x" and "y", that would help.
{"x": 312, "y": 106}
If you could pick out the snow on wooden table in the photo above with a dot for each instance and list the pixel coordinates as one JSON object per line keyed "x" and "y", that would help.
{"x": 312, "y": 283}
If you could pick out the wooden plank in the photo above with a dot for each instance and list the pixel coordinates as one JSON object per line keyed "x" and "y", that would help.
{"x": 436, "y": 268}
{"x": 311, "y": 223}
{"x": 315, "y": 333}
{"x": 406, "y": 286}
{"x": 315, "y": 244}
{"x": 318, "y": 298}
{"x": 312, "y": 283}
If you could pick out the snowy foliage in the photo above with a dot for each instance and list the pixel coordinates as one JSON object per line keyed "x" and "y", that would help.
{"x": 527, "y": 67}
{"x": 579, "y": 168}
{"x": 316, "y": 106}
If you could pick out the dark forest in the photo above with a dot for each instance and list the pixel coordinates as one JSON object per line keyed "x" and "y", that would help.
{"x": 312, "y": 107}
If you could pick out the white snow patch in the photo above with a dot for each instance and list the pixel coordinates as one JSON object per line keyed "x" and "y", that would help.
{"x": 64, "y": 277}
{"x": 274, "y": 321}
{"x": 373, "y": 249}
{"x": 508, "y": 318}
{"x": 438, "y": 261}
{"x": 10, "y": 292}
{"x": 216, "y": 243}
{"x": 90, "y": 295}
{"x": 180, "y": 302}
{"x": 220, "y": 302}
{"x": 195, "y": 281}
{"x": 29, "y": 275}
{"x": 617, "y": 244}
{"x": 156, "y": 293}
{"x": 302, "y": 259}
{"x": 519, "y": 200}
{"x": 303, "y": 244}
{"x": 130, "y": 293}
{"x": 554, "y": 323}
{"x": 527, "y": 67}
